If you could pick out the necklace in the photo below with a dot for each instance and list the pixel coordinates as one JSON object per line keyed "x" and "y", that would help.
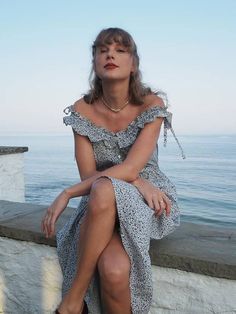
{"x": 113, "y": 109}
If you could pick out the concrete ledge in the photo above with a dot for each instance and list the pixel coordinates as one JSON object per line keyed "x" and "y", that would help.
{"x": 192, "y": 247}
{"x": 6, "y": 150}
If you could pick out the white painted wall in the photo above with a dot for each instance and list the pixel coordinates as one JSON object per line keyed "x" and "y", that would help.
{"x": 30, "y": 282}
{"x": 30, "y": 277}
{"x": 12, "y": 186}
{"x": 182, "y": 292}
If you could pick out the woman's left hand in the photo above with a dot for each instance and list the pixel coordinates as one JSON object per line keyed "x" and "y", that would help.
{"x": 155, "y": 198}
{"x": 53, "y": 213}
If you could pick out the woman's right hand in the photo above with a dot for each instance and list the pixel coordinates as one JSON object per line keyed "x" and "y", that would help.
{"x": 154, "y": 197}
{"x": 53, "y": 212}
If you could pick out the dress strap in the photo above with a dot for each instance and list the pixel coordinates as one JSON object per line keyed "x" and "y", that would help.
{"x": 167, "y": 125}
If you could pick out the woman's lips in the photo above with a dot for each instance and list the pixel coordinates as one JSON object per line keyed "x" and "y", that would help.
{"x": 110, "y": 65}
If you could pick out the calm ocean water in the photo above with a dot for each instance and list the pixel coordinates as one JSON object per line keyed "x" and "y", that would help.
{"x": 205, "y": 180}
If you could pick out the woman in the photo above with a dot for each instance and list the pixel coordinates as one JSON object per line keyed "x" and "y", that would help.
{"x": 126, "y": 199}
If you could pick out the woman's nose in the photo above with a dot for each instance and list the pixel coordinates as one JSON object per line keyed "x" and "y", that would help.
{"x": 110, "y": 54}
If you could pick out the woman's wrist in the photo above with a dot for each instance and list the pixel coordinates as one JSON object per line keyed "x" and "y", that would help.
{"x": 77, "y": 190}
{"x": 137, "y": 182}
{"x": 67, "y": 193}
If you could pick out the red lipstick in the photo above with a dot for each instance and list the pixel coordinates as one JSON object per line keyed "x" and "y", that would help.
{"x": 110, "y": 65}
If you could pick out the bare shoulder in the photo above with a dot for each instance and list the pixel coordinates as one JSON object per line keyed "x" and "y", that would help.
{"x": 81, "y": 106}
{"x": 153, "y": 100}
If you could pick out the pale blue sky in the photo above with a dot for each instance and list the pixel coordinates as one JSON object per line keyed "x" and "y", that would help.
{"x": 187, "y": 48}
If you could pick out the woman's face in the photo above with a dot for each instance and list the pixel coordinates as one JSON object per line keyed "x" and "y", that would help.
{"x": 113, "y": 62}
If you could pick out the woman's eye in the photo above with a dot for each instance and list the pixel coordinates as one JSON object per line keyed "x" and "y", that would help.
{"x": 121, "y": 50}
{"x": 102, "y": 49}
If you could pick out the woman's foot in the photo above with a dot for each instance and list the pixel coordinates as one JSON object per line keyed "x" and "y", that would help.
{"x": 84, "y": 310}
{"x": 70, "y": 306}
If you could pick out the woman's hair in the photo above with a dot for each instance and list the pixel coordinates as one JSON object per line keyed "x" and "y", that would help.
{"x": 137, "y": 90}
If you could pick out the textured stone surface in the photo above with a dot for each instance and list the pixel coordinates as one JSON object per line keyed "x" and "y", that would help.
{"x": 192, "y": 247}
{"x": 6, "y": 150}
{"x": 181, "y": 292}
{"x": 12, "y": 185}
{"x": 30, "y": 278}
{"x": 22, "y": 221}
{"x": 30, "y": 283}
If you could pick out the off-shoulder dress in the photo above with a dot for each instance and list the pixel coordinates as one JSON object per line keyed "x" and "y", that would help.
{"x": 137, "y": 222}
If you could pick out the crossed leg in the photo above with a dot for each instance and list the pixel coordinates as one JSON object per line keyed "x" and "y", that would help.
{"x": 98, "y": 242}
{"x": 114, "y": 268}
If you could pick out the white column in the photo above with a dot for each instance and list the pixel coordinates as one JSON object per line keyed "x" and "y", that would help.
{"x": 12, "y": 185}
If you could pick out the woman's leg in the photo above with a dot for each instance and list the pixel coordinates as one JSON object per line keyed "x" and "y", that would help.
{"x": 114, "y": 269}
{"x": 98, "y": 227}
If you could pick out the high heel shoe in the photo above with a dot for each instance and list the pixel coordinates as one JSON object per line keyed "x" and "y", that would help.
{"x": 85, "y": 309}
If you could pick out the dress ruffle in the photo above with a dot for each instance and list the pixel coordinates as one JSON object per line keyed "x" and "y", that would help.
{"x": 123, "y": 138}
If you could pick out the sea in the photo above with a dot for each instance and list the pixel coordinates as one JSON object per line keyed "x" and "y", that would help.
{"x": 205, "y": 180}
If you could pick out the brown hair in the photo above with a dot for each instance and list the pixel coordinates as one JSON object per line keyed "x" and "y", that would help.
{"x": 137, "y": 90}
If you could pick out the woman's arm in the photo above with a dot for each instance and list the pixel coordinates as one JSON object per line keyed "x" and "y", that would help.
{"x": 130, "y": 168}
{"x": 83, "y": 145}
{"x": 84, "y": 156}
{"x": 120, "y": 171}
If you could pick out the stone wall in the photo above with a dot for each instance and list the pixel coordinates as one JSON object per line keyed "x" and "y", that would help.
{"x": 181, "y": 292}
{"x": 194, "y": 269}
{"x": 30, "y": 277}
{"x": 12, "y": 186}
{"x": 30, "y": 282}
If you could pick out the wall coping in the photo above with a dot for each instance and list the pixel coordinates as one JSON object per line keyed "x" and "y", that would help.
{"x": 6, "y": 150}
{"x": 192, "y": 247}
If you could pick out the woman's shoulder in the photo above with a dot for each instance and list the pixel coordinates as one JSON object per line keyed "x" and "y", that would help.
{"x": 81, "y": 106}
{"x": 153, "y": 100}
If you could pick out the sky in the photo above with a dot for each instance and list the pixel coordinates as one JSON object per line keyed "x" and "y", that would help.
{"x": 187, "y": 49}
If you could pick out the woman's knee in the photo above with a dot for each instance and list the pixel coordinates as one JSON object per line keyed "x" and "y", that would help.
{"x": 114, "y": 272}
{"x": 101, "y": 195}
